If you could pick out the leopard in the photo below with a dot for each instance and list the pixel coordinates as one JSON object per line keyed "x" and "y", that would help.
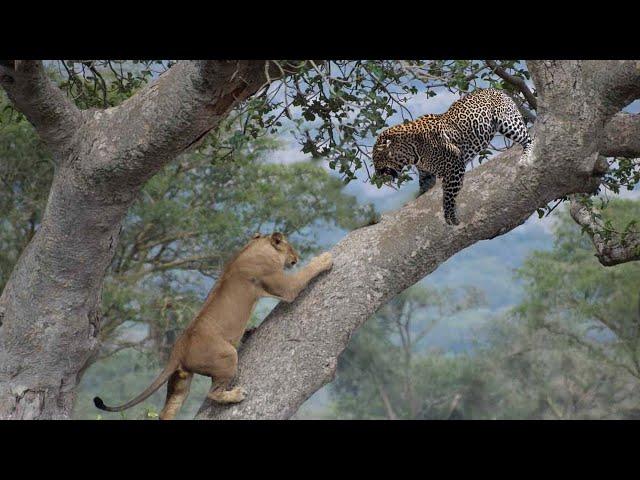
{"x": 442, "y": 145}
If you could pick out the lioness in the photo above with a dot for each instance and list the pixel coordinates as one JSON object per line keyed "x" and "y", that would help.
{"x": 208, "y": 344}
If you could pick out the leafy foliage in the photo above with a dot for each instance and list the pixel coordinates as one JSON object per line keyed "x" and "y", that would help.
{"x": 337, "y": 108}
{"x": 104, "y": 83}
{"x": 334, "y": 108}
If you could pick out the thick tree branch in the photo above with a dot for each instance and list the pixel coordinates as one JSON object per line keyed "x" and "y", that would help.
{"x": 169, "y": 116}
{"x": 618, "y": 86}
{"x": 621, "y": 136}
{"x": 294, "y": 352}
{"x": 612, "y": 248}
{"x": 53, "y": 115}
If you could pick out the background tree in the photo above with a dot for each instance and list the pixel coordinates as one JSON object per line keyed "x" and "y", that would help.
{"x": 382, "y": 373}
{"x": 567, "y": 351}
{"x": 570, "y": 294}
{"x": 104, "y": 156}
{"x": 573, "y": 341}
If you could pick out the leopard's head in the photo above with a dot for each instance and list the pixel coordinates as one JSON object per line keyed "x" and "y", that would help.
{"x": 390, "y": 155}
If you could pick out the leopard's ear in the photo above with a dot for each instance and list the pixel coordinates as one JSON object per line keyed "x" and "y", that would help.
{"x": 383, "y": 144}
{"x": 276, "y": 238}
{"x": 256, "y": 235}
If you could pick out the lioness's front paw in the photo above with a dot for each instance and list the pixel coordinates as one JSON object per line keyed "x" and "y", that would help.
{"x": 325, "y": 261}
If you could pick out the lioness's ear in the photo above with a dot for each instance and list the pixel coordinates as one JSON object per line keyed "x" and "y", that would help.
{"x": 256, "y": 235}
{"x": 276, "y": 238}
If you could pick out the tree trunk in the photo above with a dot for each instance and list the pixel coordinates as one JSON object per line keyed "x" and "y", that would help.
{"x": 51, "y": 302}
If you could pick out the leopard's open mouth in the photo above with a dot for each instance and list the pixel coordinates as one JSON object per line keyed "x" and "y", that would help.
{"x": 389, "y": 172}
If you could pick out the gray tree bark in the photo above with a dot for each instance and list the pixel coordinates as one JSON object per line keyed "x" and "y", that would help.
{"x": 295, "y": 351}
{"x": 49, "y": 307}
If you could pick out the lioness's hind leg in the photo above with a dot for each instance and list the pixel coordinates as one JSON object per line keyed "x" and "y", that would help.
{"x": 220, "y": 395}
{"x": 222, "y": 370}
{"x": 177, "y": 392}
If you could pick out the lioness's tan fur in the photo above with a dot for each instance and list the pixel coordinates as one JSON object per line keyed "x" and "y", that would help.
{"x": 208, "y": 345}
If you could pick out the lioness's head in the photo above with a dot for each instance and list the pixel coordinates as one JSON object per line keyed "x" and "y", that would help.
{"x": 279, "y": 242}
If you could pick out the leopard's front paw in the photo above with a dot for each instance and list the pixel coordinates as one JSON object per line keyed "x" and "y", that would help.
{"x": 451, "y": 219}
{"x": 525, "y": 161}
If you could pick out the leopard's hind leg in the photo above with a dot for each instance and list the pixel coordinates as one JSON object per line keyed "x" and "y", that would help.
{"x": 512, "y": 126}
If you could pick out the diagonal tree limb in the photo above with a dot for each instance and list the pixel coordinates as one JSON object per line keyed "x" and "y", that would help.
{"x": 294, "y": 352}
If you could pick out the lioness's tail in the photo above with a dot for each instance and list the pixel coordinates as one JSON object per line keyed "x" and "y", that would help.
{"x": 157, "y": 383}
